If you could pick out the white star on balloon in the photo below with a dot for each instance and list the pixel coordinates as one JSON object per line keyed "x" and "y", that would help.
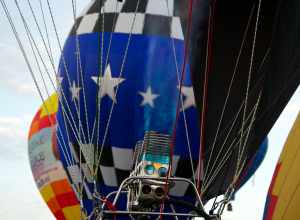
{"x": 148, "y": 97}
{"x": 189, "y": 97}
{"x": 75, "y": 91}
{"x": 107, "y": 84}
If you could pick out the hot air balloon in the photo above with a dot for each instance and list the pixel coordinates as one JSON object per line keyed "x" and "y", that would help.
{"x": 48, "y": 172}
{"x": 250, "y": 76}
{"x": 283, "y": 197}
{"x": 135, "y": 68}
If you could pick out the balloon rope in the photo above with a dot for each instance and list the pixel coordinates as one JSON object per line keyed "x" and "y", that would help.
{"x": 182, "y": 105}
{"x": 213, "y": 167}
{"x": 50, "y": 57}
{"x": 35, "y": 51}
{"x": 47, "y": 33}
{"x": 183, "y": 71}
{"x": 98, "y": 102}
{"x": 80, "y": 77}
{"x": 96, "y": 130}
{"x": 208, "y": 69}
{"x": 70, "y": 160}
{"x": 243, "y": 145}
{"x": 216, "y": 170}
{"x": 117, "y": 89}
{"x": 207, "y": 168}
{"x": 80, "y": 129}
{"x": 34, "y": 48}
{"x": 25, "y": 56}
{"x": 230, "y": 148}
{"x": 47, "y": 48}
{"x": 96, "y": 124}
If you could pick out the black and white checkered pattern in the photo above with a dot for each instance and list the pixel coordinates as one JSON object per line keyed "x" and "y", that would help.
{"x": 75, "y": 177}
{"x": 152, "y": 17}
{"x": 116, "y": 165}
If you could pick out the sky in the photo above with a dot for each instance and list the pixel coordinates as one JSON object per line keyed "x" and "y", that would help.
{"x": 18, "y": 194}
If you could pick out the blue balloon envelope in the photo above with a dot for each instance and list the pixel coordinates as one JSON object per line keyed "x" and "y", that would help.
{"x": 115, "y": 86}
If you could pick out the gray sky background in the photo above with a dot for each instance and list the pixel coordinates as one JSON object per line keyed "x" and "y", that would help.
{"x": 19, "y": 197}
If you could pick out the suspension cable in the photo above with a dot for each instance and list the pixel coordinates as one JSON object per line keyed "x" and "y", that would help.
{"x": 255, "y": 88}
{"x": 208, "y": 68}
{"x": 50, "y": 56}
{"x": 80, "y": 129}
{"x": 183, "y": 71}
{"x": 225, "y": 158}
{"x": 63, "y": 147}
{"x": 48, "y": 51}
{"x": 80, "y": 72}
{"x": 99, "y": 87}
{"x": 98, "y": 116}
{"x": 228, "y": 93}
{"x": 117, "y": 89}
{"x": 240, "y": 169}
{"x": 47, "y": 33}
{"x": 22, "y": 49}
{"x": 241, "y": 148}
{"x": 80, "y": 76}
{"x": 182, "y": 105}
{"x": 32, "y": 42}
{"x": 69, "y": 82}
{"x": 231, "y": 188}
{"x": 220, "y": 165}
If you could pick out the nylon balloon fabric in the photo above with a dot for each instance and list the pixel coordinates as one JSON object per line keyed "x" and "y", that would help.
{"x": 48, "y": 172}
{"x": 254, "y": 59}
{"x": 135, "y": 66}
{"x": 283, "y": 198}
{"x": 253, "y": 165}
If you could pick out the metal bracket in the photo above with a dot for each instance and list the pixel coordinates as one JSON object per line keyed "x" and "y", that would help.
{"x": 123, "y": 190}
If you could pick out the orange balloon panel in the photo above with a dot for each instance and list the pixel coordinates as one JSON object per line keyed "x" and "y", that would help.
{"x": 283, "y": 201}
{"x": 42, "y": 119}
{"x": 48, "y": 172}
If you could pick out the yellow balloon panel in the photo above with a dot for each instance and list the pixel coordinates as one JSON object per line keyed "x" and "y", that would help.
{"x": 48, "y": 172}
{"x": 283, "y": 201}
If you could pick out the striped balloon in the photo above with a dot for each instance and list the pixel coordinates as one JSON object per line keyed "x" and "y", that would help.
{"x": 283, "y": 198}
{"x": 46, "y": 167}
